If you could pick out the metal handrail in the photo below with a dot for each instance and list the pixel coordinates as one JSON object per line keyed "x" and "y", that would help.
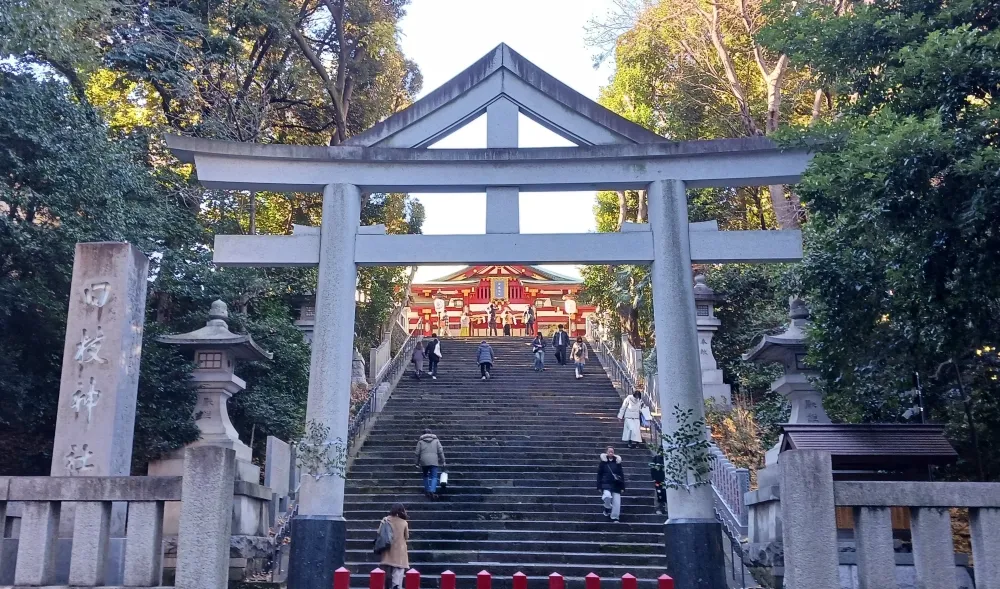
{"x": 390, "y": 374}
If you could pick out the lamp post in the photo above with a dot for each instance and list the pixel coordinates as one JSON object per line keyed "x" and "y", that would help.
{"x": 569, "y": 303}
{"x": 306, "y": 323}
{"x": 439, "y": 310}
{"x": 712, "y": 385}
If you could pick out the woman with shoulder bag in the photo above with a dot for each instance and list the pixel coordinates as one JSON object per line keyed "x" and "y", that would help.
{"x": 631, "y": 415}
{"x": 394, "y": 556}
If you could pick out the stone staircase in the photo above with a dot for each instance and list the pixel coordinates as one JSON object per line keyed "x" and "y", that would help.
{"x": 522, "y": 453}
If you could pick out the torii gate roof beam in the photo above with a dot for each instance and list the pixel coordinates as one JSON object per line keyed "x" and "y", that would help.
{"x": 755, "y": 161}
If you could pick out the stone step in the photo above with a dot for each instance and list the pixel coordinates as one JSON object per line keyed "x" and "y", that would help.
{"x": 594, "y": 440}
{"x": 551, "y": 433}
{"x": 505, "y": 582}
{"x": 512, "y": 556}
{"x": 369, "y": 525}
{"x": 522, "y": 468}
{"x": 363, "y": 545}
{"x": 507, "y": 537}
{"x": 473, "y": 485}
{"x": 567, "y": 421}
{"x": 502, "y": 503}
{"x": 641, "y": 514}
{"x": 575, "y": 573}
{"x": 465, "y": 462}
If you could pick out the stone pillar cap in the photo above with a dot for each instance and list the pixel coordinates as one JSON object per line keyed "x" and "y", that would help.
{"x": 702, "y": 291}
{"x": 216, "y": 335}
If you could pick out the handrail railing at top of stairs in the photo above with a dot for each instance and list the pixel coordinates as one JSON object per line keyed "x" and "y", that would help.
{"x": 377, "y": 393}
{"x": 729, "y": 483}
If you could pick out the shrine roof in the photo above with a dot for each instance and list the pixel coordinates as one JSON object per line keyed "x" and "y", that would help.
{"x": 504, "y": 72}
{"x": 882, "y": 445}
{"x": 525, "y": 273}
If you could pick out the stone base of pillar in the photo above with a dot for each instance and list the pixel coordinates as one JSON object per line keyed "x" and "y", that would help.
{"x": 694, "y": 553}
{"x": 319, "y": 543}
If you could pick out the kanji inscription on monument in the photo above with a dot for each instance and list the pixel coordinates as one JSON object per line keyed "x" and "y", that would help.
{"x": 100, "y": 373}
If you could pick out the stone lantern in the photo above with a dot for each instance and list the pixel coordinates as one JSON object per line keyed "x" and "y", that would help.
{"x": 712, "y": 384}
{"x": 569, "y": 303}
{"x": 306, "y": 323}
{"x": 789, "y": 349}
{"x": 440, "y": 305}
{"x": 216, "y": 350}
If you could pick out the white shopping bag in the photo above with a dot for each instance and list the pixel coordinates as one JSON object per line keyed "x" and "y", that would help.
{"x": 444, "y": 479}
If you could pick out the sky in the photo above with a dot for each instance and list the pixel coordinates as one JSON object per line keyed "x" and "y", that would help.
{"x": 446, "y": 36}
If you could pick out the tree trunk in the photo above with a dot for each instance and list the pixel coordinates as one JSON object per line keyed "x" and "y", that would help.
{"x": 641, "y": 214}
{"x": 786, "y": 207}
{"x": 253, "y": 213}
{"x": 633, "y": 328}
{"x": 622, "y": 209}
{"x": 817, "y": 108}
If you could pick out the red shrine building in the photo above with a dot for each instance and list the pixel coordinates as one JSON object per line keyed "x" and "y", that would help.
{"x": 458, "y": 304}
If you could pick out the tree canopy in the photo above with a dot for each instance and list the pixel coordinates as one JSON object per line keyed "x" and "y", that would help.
{"x": 86, "y": 92}
{"x": 898, "y": 101}
{"x": 903, "y": 252}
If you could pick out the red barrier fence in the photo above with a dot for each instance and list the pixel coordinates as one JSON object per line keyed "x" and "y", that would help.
{"x": 484, "y": 580}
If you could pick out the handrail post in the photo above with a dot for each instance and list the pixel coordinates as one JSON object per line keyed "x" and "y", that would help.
{"x": 412, "y": 579}
{"x": 342, "y": 578}
{"x": 484, "y": 580}
{"x": 376, "y": 579}
{"x": 448, "y": 580}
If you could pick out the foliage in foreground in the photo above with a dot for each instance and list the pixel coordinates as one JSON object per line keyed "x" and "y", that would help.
{"x": 85, "y": 163}
{"x": 903, "y": 251}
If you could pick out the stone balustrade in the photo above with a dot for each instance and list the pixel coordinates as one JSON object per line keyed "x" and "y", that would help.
{"x": 808, "y": 498}
{"x": 730, "y": 484}
{"x": 203, "y": 539}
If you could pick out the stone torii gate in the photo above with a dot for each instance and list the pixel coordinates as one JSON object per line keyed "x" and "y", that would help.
{"x": 611, "y": 153}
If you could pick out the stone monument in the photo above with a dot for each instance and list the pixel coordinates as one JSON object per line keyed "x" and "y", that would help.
{"x": 306, "y": 323}
{"x": 215, "y": 351}
{"x": 358, "y": 376}
{"x": 712, "y": 385}
{"x": 100, "y": 373}
{"x": 789, "y": 349}
{"x": 95, "y": 421}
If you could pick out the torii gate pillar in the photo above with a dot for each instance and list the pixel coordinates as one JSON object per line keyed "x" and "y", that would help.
{"x": 319, "y": 531}
{"x": 692, "y": 535}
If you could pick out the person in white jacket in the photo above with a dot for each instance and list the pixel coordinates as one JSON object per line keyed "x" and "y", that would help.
{"x": 631, "y": 413}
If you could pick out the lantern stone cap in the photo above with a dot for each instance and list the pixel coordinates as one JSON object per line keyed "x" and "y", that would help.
{"x": 216, "y": 334}
{"x": 777, "y": 347}
{"x": 702, "y": 291}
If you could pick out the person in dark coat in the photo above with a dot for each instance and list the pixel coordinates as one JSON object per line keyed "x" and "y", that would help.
{"x": 529, "y": 320}
{"x": 433, "y": 353}
{"x": 492, "y": 320}
{"x": 538, "y": 351}
{"x": 611, "y": 483}
{"x": 560, "y": 341}
{"x": 485, "y": 358}
{"x": 659, "y": 483}
{"x": 418, "y": 357}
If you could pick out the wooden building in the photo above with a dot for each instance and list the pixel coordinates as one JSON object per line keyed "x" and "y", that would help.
{"x": 457, "y": 304}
